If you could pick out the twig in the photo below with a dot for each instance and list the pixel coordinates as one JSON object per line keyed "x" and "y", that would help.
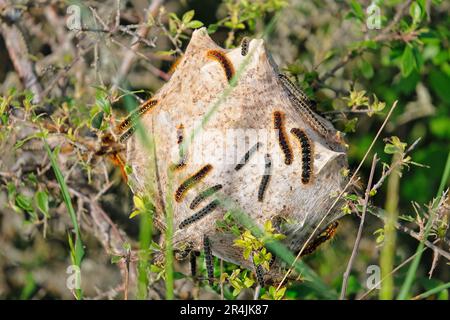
{"x": 376, "y": 212}
{"x": 401, "y": 265}
{"x": 130, "y": 54}
{"x": 18, "y": 52}
{"x": 361, "y": 225}
{"x": 394, "y": 166}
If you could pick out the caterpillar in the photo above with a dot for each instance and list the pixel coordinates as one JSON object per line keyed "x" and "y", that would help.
{"x": 203, "y": 195}
{"x": 180, "y": 133}
{"x": 200, "y": 214}
{"x": 221, "y": 58}
{"x": 179, "y": 165}
{"x": 208, "y": 259}
{"x": 193, "y": 263}
{"x": 180, "y": 138}
{"x": 247, "y": 156}
{"x": 278, "y": 123}
{"x": 126, "y": 135}
{"x": 265, "y": 179}
{"x": 324, "y": 236}
{"x": 259, "y": 274}
{"x": 244, "y": 46}
{"x": 182, "y": 252}
{"x": 307, "y": 154}
{"x": 272, "y": 260}
{"x": 128, "y": 122}
{"x": 188, "y": 183}
{"x": 303, "y": 104}
{"x": 292, "y": 88}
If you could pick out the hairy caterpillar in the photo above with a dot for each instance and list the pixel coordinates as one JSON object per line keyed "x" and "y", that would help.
{"x": 126, "y": 135}
{"x": 324, "y": 236}
{"x": 208, "y": 259}
{"x": 265, "y": 179}
{"x": 244, "y": 46}
{"x": 307, "y": 154}
{"x": 128, "y": 122}
{"x": 294, "y": 90}
{"x": 221, "y": 58}
{"x": 247, "y": 156}
{"x": 182, "y": 252}
{"x": 193, "y": 263}
{"x": 278, "y": 123}
{"x": 303, "y": 105}
{"x": 200, "y": 214}
{"x": 188, "y": 183}
{"x": 259, "y": 274}
{"x": 203, "y": 195}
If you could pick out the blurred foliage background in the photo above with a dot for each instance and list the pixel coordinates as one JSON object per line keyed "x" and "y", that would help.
{"x": 355, "y": 58}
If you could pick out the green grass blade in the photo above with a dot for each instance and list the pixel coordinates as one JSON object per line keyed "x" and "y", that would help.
{"x": 78, "y": 251}
{"x": 433, "y": 291}
{"x": 145, "y": 239}
{"x": 169, "y": 235}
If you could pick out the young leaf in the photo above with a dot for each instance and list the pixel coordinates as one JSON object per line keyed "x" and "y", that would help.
{"x": 408, "y": 62}
{"x": 42, "y": 203}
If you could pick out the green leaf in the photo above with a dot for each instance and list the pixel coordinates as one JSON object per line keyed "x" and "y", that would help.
{"x": 165, "y": 53}
{"x": 415, "y": 12}
{"x": 116, "y": 259}
{"x": 439, "y": 83}
{"x": 408, "y": 62}
{"x": 194, "y": 24}
{"x": 366, "y": 69}
{"x": 212, "y": 28}
{"x": 357, "y": 9}
{"x": 97, "y": 120}
{"x": 134, "y": 214}
{"x": 187, "y": 17}
{"x": 42, "y": 203}
{"x": 24, "y": 203}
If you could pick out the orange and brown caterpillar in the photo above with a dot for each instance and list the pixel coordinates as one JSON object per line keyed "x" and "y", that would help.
{"x": 200, "y": 214}
{"x": 324, "y": 236}
{"x": 203, "y": 195}
{"x": 221, "y": 58}
{"x": 191, "y": 181}
{"x": 265, "y": 178}
{"x": 129, "y": 121}
{"x": 307, "y": 154}
{"x": 208, "y": 259}
{"x": 303, "y": 104}
{"x": 247, "y": 156}
{"x": 278, "y": 123}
